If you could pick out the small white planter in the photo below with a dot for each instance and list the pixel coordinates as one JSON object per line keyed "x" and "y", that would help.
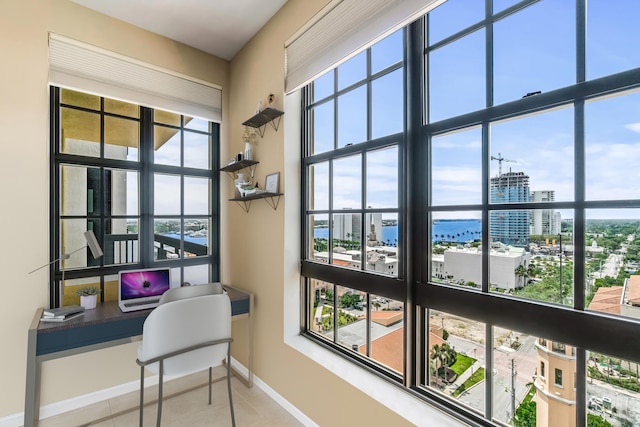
{"x": 88, "y": 301}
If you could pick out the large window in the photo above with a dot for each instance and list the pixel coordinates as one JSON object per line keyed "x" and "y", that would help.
{"x": 517, "y": 217}
{"x": 143, "y": 180}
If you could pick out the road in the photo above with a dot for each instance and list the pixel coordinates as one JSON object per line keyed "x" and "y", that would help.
{"x": 525, "y": 364}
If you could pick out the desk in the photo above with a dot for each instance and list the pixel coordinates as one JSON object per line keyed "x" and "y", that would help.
{"x": 103, "y": 327}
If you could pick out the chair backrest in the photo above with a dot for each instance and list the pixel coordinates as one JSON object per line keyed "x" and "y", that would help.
{"x": 184, "y": 323}
{"x": 175, "y": 294}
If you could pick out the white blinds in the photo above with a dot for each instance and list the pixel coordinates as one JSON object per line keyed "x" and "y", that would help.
{"x": 80, "y": 66}
{"x": 343, "y": 29}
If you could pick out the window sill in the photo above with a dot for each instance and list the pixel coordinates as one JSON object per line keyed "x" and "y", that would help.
{"x": 402, "y": 403}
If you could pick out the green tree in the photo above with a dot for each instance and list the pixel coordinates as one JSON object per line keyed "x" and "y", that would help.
{"x": 597, "y": 421}
{"x": 525, "y": 415}
{"x": 349, "y": 300}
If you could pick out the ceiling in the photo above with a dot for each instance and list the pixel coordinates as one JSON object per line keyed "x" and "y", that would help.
{"x": 219, "y": 27}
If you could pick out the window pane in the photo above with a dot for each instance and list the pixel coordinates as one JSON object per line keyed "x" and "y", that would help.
{"x": 544, "y": 272}
{"x": 387, "y": 51}
{"x": 352, "y": 319}
{"x": 197, "y": 274}
{"x": 610, "y": 27}
{"x": 347, "y": 183}
{"x": 167, "y": 236}
{"x": 457, "y": 77}
{"x": 353, "y": 70}
{"x": 122, "y": 241}
{"x": 121, "y": 138}
{"x": 533, "y": 153}
{"x": 456, "y": 253}
{"x": 456, "y": 168}
{"x": 319, "y": 241}
{"x": 382, "y": 243}
{"x": 166, "y": 146}
{"x": 387, "y": 104}
{"x": 322, "y": 121}
{"x": 347, "y": 241}
{"x": 166, "y": 194}
{"x": 534, "y": 50}
{"x": 74, "y": 244}
{"x": 195, "y": 123}
{"x": 323, "y": 86}
{"x": 197, "y": 194}
{"x": 612, "y": 138}
{"x": 69, "y": 296}
{"x": 525, "y": 372}
{"x": 80, "y": 133}
{"x": 453, "y": 16}
{"x": 382, "y": 178}
{"x": 319, "y": 186}
{"x": 121, "y": 108}
{"x": 612, "y": 390}
{"x": 123, "y": 197}
{"x": 196, "y": 237}
{"x": 456, "y": 358}
{"x": 612, "y": 258}
{"x": 80, "y": 192}
{"x": 197, "y": 152}
{"x": 79, "y": 99}
{"x": 352, "y": 117}
{"x": 321, "y": 308}
{"x": 387, "y": 331}
{"x": 499, "y": 5}
{"x": 166, "y": 118}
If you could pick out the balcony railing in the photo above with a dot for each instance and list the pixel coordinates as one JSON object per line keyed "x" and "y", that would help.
{"x": 123, "y": 248}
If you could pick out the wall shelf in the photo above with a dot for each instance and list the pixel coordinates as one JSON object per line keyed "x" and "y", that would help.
{"x": 272, "y": 200}
{"x": 232, "y": 168}
{"x": 260, "y": 120}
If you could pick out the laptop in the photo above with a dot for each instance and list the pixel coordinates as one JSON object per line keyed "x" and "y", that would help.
{"x": 142, "y": 289}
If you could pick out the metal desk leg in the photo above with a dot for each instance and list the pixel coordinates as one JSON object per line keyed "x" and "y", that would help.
{"x": 32, "y": 389}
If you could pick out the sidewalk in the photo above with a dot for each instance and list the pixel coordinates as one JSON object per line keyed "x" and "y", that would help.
{"x": 464, "y": 376}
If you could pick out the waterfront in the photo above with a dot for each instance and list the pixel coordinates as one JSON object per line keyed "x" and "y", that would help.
{"x": 448, "y": 230}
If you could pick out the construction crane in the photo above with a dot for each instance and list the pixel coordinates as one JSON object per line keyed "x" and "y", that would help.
{"x": 501, "y": 159}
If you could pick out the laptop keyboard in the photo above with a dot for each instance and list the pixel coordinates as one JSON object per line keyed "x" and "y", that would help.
{"x": 137, "y": 303}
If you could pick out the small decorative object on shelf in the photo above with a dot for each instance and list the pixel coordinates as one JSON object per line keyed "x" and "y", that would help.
{"x": 250, "y": 138}
{"x": 271, "y": 182}
{"x": 264, "y": 116}
{"x": 88, "y": 296}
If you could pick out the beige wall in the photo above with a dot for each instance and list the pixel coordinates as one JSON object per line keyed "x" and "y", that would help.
{"x": 24, "y": 192}
{"x": 254, "y": 253}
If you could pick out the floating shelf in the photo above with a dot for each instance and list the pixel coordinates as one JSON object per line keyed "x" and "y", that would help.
{"x": 234, "y": 167}
{"x": 260, "y": 120}
{"x": 272, "y": 200}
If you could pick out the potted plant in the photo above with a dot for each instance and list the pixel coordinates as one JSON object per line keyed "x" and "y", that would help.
{"x": 88, "y": 296}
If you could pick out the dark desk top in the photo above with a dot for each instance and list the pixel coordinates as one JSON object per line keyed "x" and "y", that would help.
{"x": 107, "y": 323}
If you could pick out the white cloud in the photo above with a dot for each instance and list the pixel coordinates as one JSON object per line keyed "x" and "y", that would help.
{"x": 634, "y": 127}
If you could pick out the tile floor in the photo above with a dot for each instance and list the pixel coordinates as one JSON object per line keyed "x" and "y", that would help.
{"x": 185, "y": 405}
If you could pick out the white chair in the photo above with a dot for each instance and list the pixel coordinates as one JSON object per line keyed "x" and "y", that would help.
{"x": 185, "y": 336}
{"x": 174, "y": 294}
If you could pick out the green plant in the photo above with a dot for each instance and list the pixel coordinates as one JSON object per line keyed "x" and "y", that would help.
{"x": 87, "y": 290}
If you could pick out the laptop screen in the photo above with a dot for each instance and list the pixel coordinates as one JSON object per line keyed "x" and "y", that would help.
{"x": 144, "y": 283}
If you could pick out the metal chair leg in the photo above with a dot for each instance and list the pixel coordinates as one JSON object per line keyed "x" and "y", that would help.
{"x": 233, "y": 416}
{"x": 210, "y": 381}
{"x": 141, "y": 393}
{"x": 160, "y": 393}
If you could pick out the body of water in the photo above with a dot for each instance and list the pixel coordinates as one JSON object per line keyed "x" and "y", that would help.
{"x": 448, "y": 230}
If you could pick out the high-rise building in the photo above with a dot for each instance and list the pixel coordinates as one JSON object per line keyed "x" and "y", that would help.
{"x": 510, "y": 227}
{"x": 544, "y": 221}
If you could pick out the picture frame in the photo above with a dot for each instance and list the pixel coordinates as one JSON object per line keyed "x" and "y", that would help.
{"x": 272, "y": 182}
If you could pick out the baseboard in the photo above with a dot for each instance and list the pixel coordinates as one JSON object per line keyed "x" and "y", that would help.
{"x": 284, "y": 403}
{"x": 57, "y": 408}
